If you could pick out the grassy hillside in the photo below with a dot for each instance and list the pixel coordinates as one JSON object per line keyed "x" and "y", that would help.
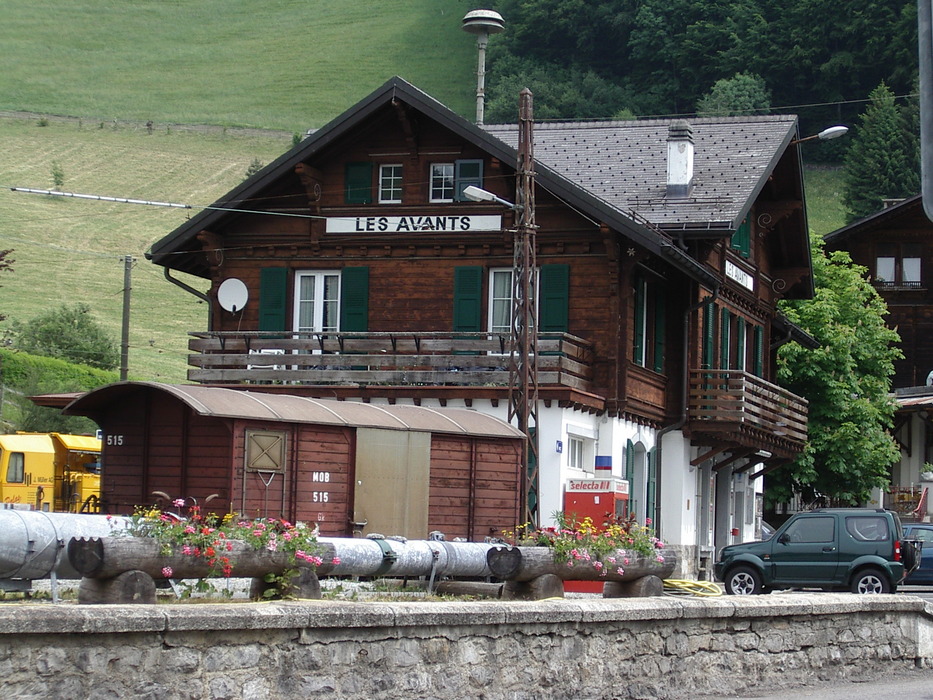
{"x": 70, "y": 250}
{"x": 283, "y": 64}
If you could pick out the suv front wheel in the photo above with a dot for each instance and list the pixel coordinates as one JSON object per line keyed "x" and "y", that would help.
{"x": 870, "y": 581}
{"x": 743, "y": 580}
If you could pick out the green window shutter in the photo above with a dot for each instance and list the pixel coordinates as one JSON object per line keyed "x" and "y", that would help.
{"x": 742, "y": 238}
{"x": 660, "y": 329}
{"x": 554, "y": 314}
{"x": 638, "y": 342}
{"x": 466, "y": 173}
{"x": 273, "y": 290}
{"x": 708, "y": 330}
{"x": 630, "y": 463}
{"x": 651, "y": 505}
{"x": 724, "y": 339}
{"x": 359, "y": 183}
{"x": 468, "y": 298}
{"x": 354, "y": 299}
{"x": 758, "y": 365}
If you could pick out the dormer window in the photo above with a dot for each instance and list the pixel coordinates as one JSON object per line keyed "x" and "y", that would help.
{"x": 448, "y": 180}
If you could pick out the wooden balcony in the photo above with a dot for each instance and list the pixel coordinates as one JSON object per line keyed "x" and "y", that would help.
{"x": 733, "y": 409}
{"x": 398, "y": 359}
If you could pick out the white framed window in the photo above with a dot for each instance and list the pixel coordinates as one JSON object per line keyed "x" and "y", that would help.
{"x": 575, "y": 453}
{"x": 442, "y": 182}
{"x": 317, "y": 301}
{"x": 500, "y": 299}
{"x": 390, "y": 184}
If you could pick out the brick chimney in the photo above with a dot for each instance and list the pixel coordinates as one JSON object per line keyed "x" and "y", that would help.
{"x": 679, "y": 159}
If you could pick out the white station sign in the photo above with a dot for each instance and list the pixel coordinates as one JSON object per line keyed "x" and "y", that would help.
{"x": 413, "y": 224}
{"x": 737, "y": 274}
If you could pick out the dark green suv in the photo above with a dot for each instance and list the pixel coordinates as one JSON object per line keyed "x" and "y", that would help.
{"x": 858, "y": 549}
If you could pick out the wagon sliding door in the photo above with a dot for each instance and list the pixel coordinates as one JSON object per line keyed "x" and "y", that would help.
{"x": 391, "y": 490}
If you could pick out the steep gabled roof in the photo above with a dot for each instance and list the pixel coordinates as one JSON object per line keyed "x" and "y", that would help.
{"x": 624, "y": 164}
{"x": 171, "y": 250}
{"x": 872, "y": 221}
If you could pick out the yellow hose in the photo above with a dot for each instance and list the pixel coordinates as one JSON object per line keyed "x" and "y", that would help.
{"x": 689, "y": 587}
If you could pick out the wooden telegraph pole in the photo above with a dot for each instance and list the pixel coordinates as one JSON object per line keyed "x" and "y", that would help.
{"x": 523, "y": 360}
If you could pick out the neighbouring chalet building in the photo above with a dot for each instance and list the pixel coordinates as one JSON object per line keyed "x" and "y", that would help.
{"x": 896, "y": 246}
{"x": 353, "y": 268}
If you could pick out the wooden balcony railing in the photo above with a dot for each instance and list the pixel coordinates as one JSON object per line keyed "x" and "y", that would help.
{"x": 426, "y": 358}
{"x": 747, "y": 408}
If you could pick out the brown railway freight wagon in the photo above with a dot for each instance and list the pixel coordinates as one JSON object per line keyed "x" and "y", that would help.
{"x": 349, "y": 467}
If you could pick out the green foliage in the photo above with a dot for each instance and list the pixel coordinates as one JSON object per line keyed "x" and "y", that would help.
{"x": 741, "y": 94}
{"x": 24, "y": 375}
{"x": 58, "y": 176}
{"x": 883, "y": 158}
{"x": 559, "y": 93}
{"x": 846, "y": 381}
{"x": 254, "y": 167}
{"x": 664, "y": 53}
{"x": 70, "y": 333}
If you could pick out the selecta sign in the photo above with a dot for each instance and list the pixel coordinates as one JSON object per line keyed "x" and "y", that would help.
{"x": 412, "y": 224}
{"x": 597, "y": 486}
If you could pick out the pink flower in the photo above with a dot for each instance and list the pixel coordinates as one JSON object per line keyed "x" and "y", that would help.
{"x": 660, "y": 559}
{"x": 179, "y": 503}
{"x": 647, "y": 521}
{"x": 620, "y": 571}
{"x": 167, "y": 571}
{"x": 190, "y": 530}
{"x": 611, "y": 560}
{"x": 186, "y": 549}
{"x": 335, "y": 561}
{"x": 598, "y": 565}
{"x": 625, "y": 561}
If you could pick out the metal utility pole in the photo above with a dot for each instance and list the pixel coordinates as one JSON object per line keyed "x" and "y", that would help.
{"x": 523, "y": 360}
{"x": 128, "y": 261}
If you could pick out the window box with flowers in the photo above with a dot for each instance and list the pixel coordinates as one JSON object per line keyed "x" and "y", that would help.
{"x": 621, "y": 550}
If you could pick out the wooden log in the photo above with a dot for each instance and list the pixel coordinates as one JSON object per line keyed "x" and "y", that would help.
{"x": 538, "y": 588}
{"x": 644, "y": 587}
{"x": 527, "y": 563}
{"x": 107, "y": 557}
{"x": 127, "y": 587}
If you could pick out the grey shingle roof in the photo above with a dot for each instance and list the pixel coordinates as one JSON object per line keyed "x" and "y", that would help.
{"x": 624, "y": 163}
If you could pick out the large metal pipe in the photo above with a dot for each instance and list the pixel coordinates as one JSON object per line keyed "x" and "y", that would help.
{"x": 32, "y": 543}
{"x": 388, "y": 557}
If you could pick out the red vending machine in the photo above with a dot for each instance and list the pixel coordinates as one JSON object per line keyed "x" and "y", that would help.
{"x": 594, "y": 498}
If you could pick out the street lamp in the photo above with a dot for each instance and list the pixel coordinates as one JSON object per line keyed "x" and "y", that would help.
{"x": 832, "y": 132}
{"x": 476, "y": 194}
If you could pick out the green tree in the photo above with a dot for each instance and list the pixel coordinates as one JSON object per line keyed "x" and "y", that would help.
{"x": 6, "y": 265}
{"x": 882, "y": 160}
{"x": 741, "y": 94}
{"x": 70, "y": 333}
{"x": 846, "y": 380}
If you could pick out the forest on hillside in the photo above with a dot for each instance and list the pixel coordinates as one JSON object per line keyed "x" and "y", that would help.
{"x": 583, "y": 59}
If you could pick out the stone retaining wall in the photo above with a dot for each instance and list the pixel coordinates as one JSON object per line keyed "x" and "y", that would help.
{"x": 574, "y": 648}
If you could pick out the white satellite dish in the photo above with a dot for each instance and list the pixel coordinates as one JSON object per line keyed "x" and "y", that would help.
{"x": 233, "y": 294}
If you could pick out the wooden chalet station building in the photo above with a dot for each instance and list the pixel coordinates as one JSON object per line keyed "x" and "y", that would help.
{"x": 353, "y": 268}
